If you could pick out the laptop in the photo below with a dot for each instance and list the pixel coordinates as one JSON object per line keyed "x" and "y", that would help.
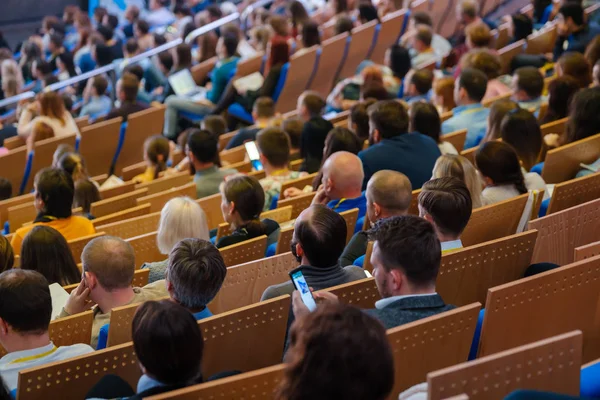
{"x": 183, "y": 85}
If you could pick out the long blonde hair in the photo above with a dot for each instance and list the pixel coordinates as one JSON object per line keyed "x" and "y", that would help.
{"x": 181, "y": 218}
{"x": 12, "y": 78}
{"x": 461, "y": 168}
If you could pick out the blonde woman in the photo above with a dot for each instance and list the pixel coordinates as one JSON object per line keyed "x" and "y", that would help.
{"x": 181, "y": 218}
{"x": 461, "y": 168}
{"x": 12, "y": 78}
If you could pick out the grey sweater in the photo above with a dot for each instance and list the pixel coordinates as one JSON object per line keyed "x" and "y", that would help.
{"x": 317, "y": 278}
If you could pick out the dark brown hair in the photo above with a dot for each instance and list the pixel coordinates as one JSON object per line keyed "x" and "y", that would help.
{"x": 448, "y": 201}
{"x": 274, "y": 144}
{"x": 249, "y": 198}
{"x": 499, "y": 162}
{"x": 7, "y": 255}
{"x": 520, "y": 129}
{"x": 130, "y": 85}
{"x": 86, "y": 193}
{"x": 584, "y": 118}
{"x": 577, "y": 66}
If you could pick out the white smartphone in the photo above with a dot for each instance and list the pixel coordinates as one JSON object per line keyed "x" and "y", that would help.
{"x": 253, "y": 155}
{"x": 302, "y": 286}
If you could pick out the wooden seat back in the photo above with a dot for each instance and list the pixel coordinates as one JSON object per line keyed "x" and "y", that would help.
{"x": 132, "y": 227}
{"x": 146, "y": 249}
{"x": 13, "y": 201}
{"x": 587, "y": 251}
{"x": 298, "y": 203}
{"x": 494, "y": 221}
{"x": 140, "y": 126}
{"x": 542, "y": 41}
{"x": 574, "y": 192}
{"x": 211, "y": 205}
{"x": 245, "y": 283}
{"x": 158, "y": 200}
{"x": 299, "y": 73}
{"x": 466, "y": 274}
{"x": 21, "y": 214}
{"x": 285, "y": 239}
{"x": 413, "y": 209}
{"x": 559, "y": 126}
{"x": 509, "y": 52}
{"x": 389, "y": 32}
{"x": 544, "y": 305}
{"x": 76, "y": 245}
{"x": 362, "y": 293}
{"x": 502, "y": 37}
{"x": 279, "y": 215}
{"x": 332, "y": 52}
{"x": 431, "y": 343}
{"x": 166, "y": 182}
{"x": 225, "y": 138}
{"x": 98, "y": 145}
{"x": 560, "y": 233}
{"x": 42, "y": 156}
{"x": 456, "y": 139}
{"x": 358, "y": 51}
{"x": 140, "y": 279}
{"x": 551, "y": 365}
{"x": 122, "y": 215}
{"x": 117, "y": 203}
{"x": 233, "y": 156}
{"x": 201, "y": 70}
{"x": 563, "y": 163}
{"x": 249, "y": 65}
{"x": 240, "y": 253}
{"x": 350, "y": 217}
{"x": 299, "y": 183}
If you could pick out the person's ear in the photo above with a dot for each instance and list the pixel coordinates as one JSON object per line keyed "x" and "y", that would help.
{"x": 169, "y": 286}
{"x": 462, "y": 93}
{"x": 376, "y": 210}
{"x": 396, "y": 280}
{"x": 376, "y": 136}
{"x": 3, "y": 327}
{"x": 232, "y": 208}
{"x": 428, "y": 218}
{"x": 262, "y": 159}
{"x": 90, "y": 280}
{"x": 328, "y": 184}
{"x": 299, "y": 250}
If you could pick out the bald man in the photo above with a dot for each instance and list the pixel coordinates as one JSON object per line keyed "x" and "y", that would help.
{"x": 388, "y": 194}
{"x": 319, "y": 239}
{"x": 341, "y": 185}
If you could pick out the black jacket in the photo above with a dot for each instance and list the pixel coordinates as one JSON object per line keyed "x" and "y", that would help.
{"x": 410, "y": 309}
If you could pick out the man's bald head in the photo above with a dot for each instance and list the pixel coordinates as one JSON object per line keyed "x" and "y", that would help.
{"x": 111, "y": 260}
{"x": 343, "y": 175}
{"x": 391, "y": 191}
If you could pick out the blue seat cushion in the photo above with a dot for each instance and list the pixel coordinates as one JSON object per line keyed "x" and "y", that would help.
{"x": 238, "y": 111}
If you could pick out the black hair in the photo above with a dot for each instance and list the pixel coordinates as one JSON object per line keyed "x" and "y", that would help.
{"x": 56, "y": 189}
{"x": 425, "y": 119}
{"x": 574, "y": 11}
{"x": 499, "y": 162}
{"x": 400, "y": 62}
{"x": 474, "y": 82}
{"x": 204, "y": 146}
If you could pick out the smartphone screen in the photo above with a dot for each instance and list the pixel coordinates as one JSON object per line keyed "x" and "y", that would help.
{"x": 302, "y": 286}
{"x": 254, "y": 156}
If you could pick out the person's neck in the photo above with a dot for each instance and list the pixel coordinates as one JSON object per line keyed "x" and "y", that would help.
{"x": 272, "y": 170}
{"x": 349, "y": 194}
{"x": 27, "y": 342}
{"x": 468, "y": 102}
{"x": 199, "y": 166}
{"x": 445, "y": 237}
{"x": 408, "y": 290}
{"x": 262, "y": 122}
{"x": 116, "y": 298}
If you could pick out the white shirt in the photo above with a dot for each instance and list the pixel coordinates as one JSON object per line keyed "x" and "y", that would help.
{"x": 160, "y": 17}
{"x": 26, "y": 124}
{"x": 498, "y": 193}
{"x": 447, "y": 148}
{"x": 451, "y": 245}
{"x": 12, "y": 363}
{"x": 381, "y": 304}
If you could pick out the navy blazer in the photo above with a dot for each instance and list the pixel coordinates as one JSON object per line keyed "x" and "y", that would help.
{"x": 410, "y": 309}
{"x": 413, "y": 154}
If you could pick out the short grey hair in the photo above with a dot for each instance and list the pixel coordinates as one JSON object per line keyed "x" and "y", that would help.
{"x": 196, "y": 271}
{"x": 181, "y": 218}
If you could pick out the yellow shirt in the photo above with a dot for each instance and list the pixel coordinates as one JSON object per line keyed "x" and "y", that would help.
{"x": 147, "y": 176}
{"x": 71, "y": 228}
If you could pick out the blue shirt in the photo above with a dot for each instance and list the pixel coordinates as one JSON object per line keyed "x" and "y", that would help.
{"x": 203, "y": 314}
{"x": 342, "y": 205}
{"x": 412, "y": 154}
{"x": 473, "y": 118}
{"x": 220, "y": 76}
{"x": 96, "y": 107}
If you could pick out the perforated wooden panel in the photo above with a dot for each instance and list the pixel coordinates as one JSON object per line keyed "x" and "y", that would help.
{"x": 166, "y": 182}
{"x": 466, "y": 275}
{"x": 132, "y": 227}
{"x": 544, "y": 305}
{"x": 76, "y": 246}
{"x": 73, "y": 378}
{"x": 299, "y": 203}
{"x": 494, "y": 221}
{"x": 127, "y": 214}
{"x": 212, "y": 208}
{"x": 587, "y": 251}
{"x": 249, "y": 250}
{"x": 245, "y": 283}
{"x": 430, "y": 344}
{"x": 574, "y": 192}
{"x": 117, "y": 203}
{"x": 158, "y": 200}
{"x": 119, "y": 330}
{"x": 548, "y": 365}
{"x": 146, "y": 249}
{"x": 285, "y": 239}
{"x": 245, "y": 339}
{"x": 127, "y": 187}
{"x": 256, "y": 385}
{"x": 350, "y": 217}
{"x": 362, "y": 293}
{"x": 299, "y": 183}
{"x": 561, "y": 232}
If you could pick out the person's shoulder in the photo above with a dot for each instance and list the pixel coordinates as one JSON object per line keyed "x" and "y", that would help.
{"x": 355, "y": 272}
{"x": 271, "y": 225}
{"x": 75, "y": 350}
{"x": 83, "y": 221}
{"x": 277, "y": 290}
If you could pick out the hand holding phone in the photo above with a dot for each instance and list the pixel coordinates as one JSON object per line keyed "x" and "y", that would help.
{"x": 302, "y": 287}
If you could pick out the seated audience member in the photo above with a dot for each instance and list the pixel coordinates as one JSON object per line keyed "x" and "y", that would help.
{"x": 7, "y": 256}
{"x": 469, "y": 114}
{"x": 274, "y": 147}
{"x": 263, "y": 113}
{"x": 54, "y": 190}
{"x": 293, "y": 128}
{"x": 560, "y": 94}
{"x": 521, "y": 130}
{"x": 180, "y": 218}
{"x": 424, "y": 119}
{"x": 370, "y": 80}
{"x": 98, "y": 103}
{"x": 341, "y": 184}
{"x": 393, "y": 148}
{"x": 127, "y": 90}
{"x": 576, "y": 66}
{"x": 25, "y": 312}
{"x": 156, "y": 155}
{"x": 195, "y": 272}
{"x": 318, "y": 241}
{"x": 215, "y": 124}
{"x": 243, "y": 201}
{"x": 419, "y": 85}
{"x": 443, "y": 94}
{"x": 358, "y": 119}
{"x": 574, "y": 32}
{"x": 203, "y": 153}
{"x": 503, "y": 176}
{"x": 159, "y": 15}
{"x": 490, "y": 64}
{"x": 220, "y": 76}
{"x": 424, "y": 53}
{"x": 343, "y": 24}
{"x": 446, "y": 204}
{"x": 584, "y": 119}
{"x": 336, "y": 352}
{"x": 86, "y": 193}
{"x": 50, "y": 109}
{"x": 388, "y": 193}
{"x": 520, "y": 26}
{"x": 108, "y": 269}
{"x": 46, "y": 251}
{"x": 316, "y": 128}
{"x": 168, "y": 345}
{"x": 440, "y": 45}
{"x": 452, "y": 165}
{"x": 527, "y": 86}
{"x": 498, "y": 110}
